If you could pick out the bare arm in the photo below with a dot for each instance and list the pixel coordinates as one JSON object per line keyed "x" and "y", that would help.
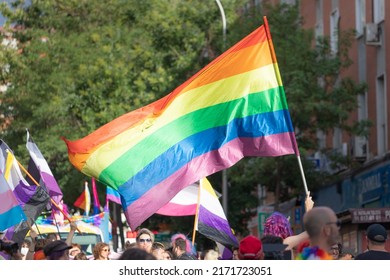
{"x": 73, "y": 228}
{"x": 295, "y": 240}
{"x": 31, "y": 249}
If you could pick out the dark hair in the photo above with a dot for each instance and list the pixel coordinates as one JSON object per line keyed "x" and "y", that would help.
{"x": 271, "y": 239}
{"x": 181, "y": 243}
{"x": 273, "y": 248}
{"x": 169, "y": 252}
{"x": 9, "y": 247}
{"x": 81, "y": 256}
{"x": 136, "y": 254}
{"x": 57, "y": 255}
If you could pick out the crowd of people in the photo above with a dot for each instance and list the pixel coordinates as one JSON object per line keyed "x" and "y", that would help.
{"x": 319, "y": 241}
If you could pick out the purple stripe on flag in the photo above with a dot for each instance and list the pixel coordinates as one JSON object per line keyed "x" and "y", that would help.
{"x": 51, "y": 184}
{"x": 214, "y": 221}
{"x": 24, "y": 193}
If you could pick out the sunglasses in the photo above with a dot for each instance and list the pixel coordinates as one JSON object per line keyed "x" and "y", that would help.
{"x": 145, "y": 240}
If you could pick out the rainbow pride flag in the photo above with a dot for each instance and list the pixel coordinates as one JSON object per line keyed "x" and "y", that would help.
{"x": 232, "y": 108}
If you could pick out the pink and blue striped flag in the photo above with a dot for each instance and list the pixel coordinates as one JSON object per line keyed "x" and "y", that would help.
{"x": 11, "y": 213}
{"x": 232, "y": 108}
{"x": 113, "y": 195}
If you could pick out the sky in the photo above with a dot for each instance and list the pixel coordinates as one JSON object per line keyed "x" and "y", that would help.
{"x": 2, "y": 19}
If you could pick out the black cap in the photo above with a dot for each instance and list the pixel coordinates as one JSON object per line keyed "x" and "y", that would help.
{"x": 55, "y": 246}
{"x": 377, "y": 233}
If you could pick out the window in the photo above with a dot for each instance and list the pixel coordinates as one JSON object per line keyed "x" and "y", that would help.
{"x": 319, "y": 19}
{"x": 360, "y": 16}
{"x": 334, "y": 29}
{"x": 379, "y": 10}
{"x": 381, "y": 119}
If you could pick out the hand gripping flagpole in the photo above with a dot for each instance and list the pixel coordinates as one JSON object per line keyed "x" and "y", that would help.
{"x": 277, "y": 74}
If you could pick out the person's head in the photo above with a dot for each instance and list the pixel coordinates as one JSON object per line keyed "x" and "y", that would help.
{"x": 10, "y": 250}
{"x": 53, "y": 236}
{"x": 25, "y": 248}
{"x": 322, "y": 226}
{"x": 273, "y": 247}
{"x": 179, "y": 247}
{"x": 376, "y": 236}
{"x": 336, "y": 251}
{"x": 158, "y": 250}
{"x": 136, "y": 254}
{"x": 189, "y": 248}
{"x": 347, "y": 256}
{"x": 101, "y": 251}
{"x": 145, "y": 239}
{"x": 129, "y": 244}
{"x": 211, "y": 254}
{"x": 80, "y": 256}
{"x": 278, "y": 225}
{"x": 76, "y": 248}
{"x": 250, "y": 248}
{"x": 235, "y": 254}
{"x": 167, "y": 255}
{"x": 57, "y": 250}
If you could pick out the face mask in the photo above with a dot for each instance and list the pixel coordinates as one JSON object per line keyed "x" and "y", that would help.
{"x": 24, "y": 251}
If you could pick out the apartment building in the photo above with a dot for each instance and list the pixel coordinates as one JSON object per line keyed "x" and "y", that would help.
{"x": 362, "y": 195}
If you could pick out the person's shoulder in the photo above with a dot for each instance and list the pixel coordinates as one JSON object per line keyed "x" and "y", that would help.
{"x": 373, "y": 255}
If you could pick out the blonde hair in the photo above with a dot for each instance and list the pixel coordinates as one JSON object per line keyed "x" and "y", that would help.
{"x": 145, "y": 231}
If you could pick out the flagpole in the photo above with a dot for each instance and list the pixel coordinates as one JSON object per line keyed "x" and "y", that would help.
{"x": 303, "y": 175}
{"x": 277, "y": 74}
{"x": 196, "y": 215}
{"x": 51, "y": 200}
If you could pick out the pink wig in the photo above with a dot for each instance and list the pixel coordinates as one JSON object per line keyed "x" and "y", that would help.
{"x": 189, "y": 248}
{"x": 278, "y": 225}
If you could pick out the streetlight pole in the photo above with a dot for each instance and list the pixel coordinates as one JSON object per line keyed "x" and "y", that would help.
{"x": 224, "y": 172}
{"x": 223, "y": 22}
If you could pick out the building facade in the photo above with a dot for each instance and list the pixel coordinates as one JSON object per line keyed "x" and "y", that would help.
{"x": 362, "y": 196}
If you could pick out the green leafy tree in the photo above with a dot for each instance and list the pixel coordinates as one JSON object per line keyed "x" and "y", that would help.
{"x": 80, "y": 64}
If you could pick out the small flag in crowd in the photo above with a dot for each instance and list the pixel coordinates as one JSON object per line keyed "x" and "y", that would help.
{"x": 212, "y": 221}
{"x": 46, "y": 176}
{"x": 84, "y": 200}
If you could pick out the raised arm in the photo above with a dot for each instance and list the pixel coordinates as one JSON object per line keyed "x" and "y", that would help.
{"x": 73, "y": 228}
